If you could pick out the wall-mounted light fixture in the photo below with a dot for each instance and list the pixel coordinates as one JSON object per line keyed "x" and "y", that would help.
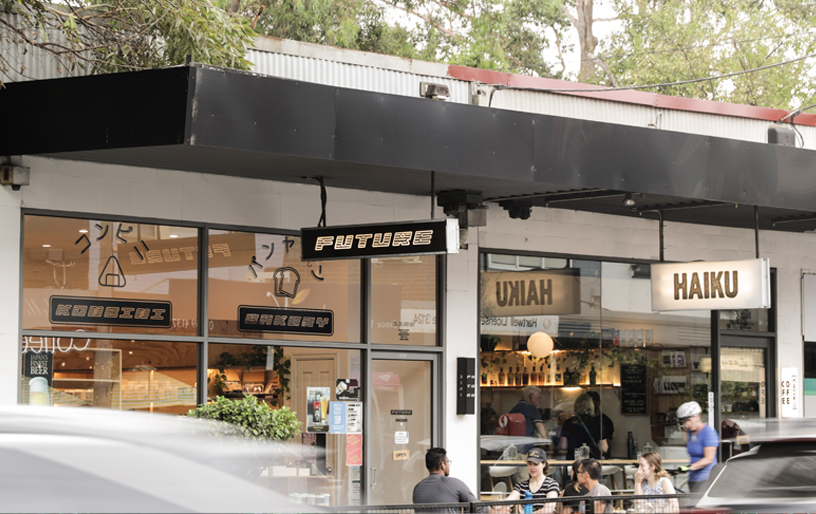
{"x": 433, "y": 91}
{"x": 628, "y": 200}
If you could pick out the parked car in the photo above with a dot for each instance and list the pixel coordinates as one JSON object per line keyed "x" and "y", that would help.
{"x": 775, "y": 475}
{"x": 83, "y": 460}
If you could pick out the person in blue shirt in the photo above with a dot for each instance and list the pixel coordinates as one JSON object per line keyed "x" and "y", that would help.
{"x": 702, "y": 442}
{"x": 528, "y": 405}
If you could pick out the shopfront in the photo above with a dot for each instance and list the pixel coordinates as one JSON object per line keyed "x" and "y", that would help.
{"x": 640, "y": 363}
{"x": 112, "y": 318}
{"x": 119, "y": 307}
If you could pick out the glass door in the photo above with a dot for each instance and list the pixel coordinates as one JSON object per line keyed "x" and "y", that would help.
{"x": 403, "y": 413}
{"x": 743, "y": 388}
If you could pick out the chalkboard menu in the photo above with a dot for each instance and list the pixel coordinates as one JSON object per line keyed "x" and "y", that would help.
{"x": 633, "y": 389}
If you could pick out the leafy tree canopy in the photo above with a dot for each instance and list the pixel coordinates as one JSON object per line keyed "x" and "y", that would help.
{"x": 663, "y": 41}
{"x": 122, "y": 35}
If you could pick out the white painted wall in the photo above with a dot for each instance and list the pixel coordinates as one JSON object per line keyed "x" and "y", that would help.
{"x": 175, "y": 195}
{"x": 10, "y": 334}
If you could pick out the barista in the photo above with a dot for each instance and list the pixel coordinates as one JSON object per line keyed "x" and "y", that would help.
{"x": 529, "y": 406}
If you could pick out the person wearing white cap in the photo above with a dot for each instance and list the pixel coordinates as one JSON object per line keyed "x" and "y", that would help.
{"x": 702, "y": 442}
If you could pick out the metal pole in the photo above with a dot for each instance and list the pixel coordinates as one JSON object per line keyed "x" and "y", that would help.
{"x": 433, "y": 192}
{"x": 660, "y": 217}
{"x": 756, "y": 229}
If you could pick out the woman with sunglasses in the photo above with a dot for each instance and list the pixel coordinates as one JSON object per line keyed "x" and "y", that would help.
{"x": 539, "y": 485}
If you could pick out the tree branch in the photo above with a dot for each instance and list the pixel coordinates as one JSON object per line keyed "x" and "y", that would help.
{"x": 600, "y": 62}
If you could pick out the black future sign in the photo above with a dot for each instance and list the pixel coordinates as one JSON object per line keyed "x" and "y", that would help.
{"x": 380, "y": 240}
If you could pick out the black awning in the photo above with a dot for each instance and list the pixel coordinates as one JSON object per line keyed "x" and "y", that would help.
{"x": 211, "y": 120}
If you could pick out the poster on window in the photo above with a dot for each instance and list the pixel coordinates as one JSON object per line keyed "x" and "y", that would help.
{"x": 317, "y": 409}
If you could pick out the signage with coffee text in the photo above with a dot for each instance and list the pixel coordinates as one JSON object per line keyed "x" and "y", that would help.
{"x": 380, "y": 240}
{"x": 530, "y": 293}
{"x": 711, "y": 285}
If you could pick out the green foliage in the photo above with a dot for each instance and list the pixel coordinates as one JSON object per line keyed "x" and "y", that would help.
{"x": 257, "y": 356}
{"x": 354, "y": 24}
{"x": 255, "y": 420}
{"x": 673, "y": 40}
{"x": 123, "y": 35}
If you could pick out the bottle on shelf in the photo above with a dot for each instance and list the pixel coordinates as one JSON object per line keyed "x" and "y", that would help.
{"x": 542, "y": 378}
{"x": 502, "y": 378}
{"x": 518, "y": 376}
{"x": 533, "y": 376}
{"x": 511, "y": 377}
{"x": 593, "y": 375}
{"x": 525, "y": 377}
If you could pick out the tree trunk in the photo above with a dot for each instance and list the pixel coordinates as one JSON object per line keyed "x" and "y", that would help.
{"x": 587, "y": 40}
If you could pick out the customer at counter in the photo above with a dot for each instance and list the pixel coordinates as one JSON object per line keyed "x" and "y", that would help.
{"x": 583, "y": 428}
{"x": 528, "y": 406}
{"x": 702, "y": 442}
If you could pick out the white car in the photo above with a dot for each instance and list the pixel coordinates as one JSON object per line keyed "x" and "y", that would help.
{"x": 775, "y": 475}
{"x": 83, "y": 460}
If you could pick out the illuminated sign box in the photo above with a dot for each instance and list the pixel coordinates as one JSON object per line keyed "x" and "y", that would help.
{"x": 380, "y": 240}
{"x": 711, "y": 285}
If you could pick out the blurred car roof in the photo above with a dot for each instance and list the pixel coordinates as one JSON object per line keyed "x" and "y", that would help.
{"x": 774, "y": 476}
{"x": 97, "y": 460}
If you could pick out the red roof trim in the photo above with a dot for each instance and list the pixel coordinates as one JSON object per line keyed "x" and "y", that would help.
{"x": 631, "y": 97}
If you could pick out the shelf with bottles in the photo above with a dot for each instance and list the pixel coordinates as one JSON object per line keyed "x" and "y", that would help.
{"x": 548, "y": 386}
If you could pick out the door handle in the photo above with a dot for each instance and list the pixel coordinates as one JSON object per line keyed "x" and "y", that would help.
{"x": 373, "y": 477}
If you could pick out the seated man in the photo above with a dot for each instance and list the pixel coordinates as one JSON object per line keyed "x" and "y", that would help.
{"x": 438, "y": 487}
{"x": 589, "y": 476}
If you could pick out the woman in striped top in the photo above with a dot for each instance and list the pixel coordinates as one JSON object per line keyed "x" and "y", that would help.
{"x": 539, "y": 485}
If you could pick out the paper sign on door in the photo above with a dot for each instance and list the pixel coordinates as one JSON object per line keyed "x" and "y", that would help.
{"x": 400, "y": 437}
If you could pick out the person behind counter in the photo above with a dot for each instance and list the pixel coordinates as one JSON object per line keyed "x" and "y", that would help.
{"x": 528, "y": 406}
{"x": 539, "y": 484}
{"x": 607, "y": 427}
{"x": 583, "y": 428}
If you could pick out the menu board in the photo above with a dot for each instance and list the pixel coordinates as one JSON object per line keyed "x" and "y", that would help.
{"x": 633, "y": 389}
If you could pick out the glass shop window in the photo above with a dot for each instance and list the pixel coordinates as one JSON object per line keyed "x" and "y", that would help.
{"x": 109, "y": 276}
{"x": 403, "y": 301}
{"x": 147, "y": 376}
{"x": 260, "y": 289}
{"x": 323, "y": 387}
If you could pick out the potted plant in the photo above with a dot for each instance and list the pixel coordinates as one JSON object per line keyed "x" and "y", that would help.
{"x": 254, "y": 419}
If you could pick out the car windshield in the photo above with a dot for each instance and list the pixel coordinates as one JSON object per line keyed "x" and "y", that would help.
{"x": 772, "y": 470}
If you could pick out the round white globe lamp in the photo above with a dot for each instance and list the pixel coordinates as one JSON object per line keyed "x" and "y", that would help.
{"x": 540, "y": 344}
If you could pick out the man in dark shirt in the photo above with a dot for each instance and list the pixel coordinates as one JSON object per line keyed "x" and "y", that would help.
{"x": 528, "y": 405}
{"x": 606, "y": 424}
{"x": 438, "y": 487}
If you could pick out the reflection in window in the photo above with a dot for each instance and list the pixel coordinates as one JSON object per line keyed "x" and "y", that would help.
{"x": 262, "y": 290}
{"x": 403, "y": 300}
{"x": 109, "y": 276}
{"x": 122, "y": 375}
{"x": 308, "y": 381}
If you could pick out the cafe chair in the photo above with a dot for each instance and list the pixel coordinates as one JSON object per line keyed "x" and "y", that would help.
{"x": 503, "y": 470}
{"x": 610, "y": 472}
